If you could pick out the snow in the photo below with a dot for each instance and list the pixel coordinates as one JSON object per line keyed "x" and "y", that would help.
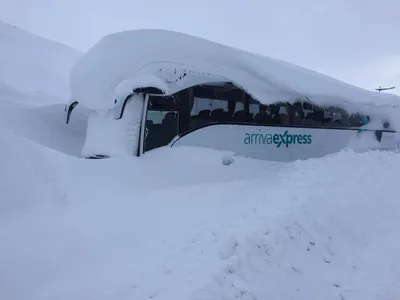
{"x": 108, "y": 136}
{"x": 364, "y": 141}
{"x": 25, "y": 182}
{"x": 187, "y": 223}
{"x": 125, "y": 87}
{"x": 30, "y": 71}
{"x": 33, "y": 88}
{"x": 45, "y": 124}
{"x": 160, "y": 55}
{"x": 177, "y": 224}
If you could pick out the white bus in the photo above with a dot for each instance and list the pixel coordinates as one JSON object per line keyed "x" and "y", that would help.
{"x": 192, "y": 92}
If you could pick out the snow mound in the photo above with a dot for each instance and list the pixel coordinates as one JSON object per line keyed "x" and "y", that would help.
{"x": 33, "y": 88}
{"x": 45, "y": 124}
{"x": 25, "y": 180}
{"x": 33, "y": 65}
{"x": 181, "y": 60}
{"x": 177, "y": 224}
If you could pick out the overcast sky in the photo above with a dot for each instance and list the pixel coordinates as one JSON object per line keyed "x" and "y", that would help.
{"x": 354, "y": 40}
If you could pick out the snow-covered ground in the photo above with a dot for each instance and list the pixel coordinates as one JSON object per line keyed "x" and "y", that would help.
{"x": 178, "y": 224}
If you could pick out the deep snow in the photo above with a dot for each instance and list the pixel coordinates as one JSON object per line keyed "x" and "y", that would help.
{"x": 172, "y": 61}
{"x": 36, "y": 66}
{"x": 179, "y": 224}
{"x": 34, "y": 85}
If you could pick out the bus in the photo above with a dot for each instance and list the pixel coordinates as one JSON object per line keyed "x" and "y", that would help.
{"x": 167, "y": 101}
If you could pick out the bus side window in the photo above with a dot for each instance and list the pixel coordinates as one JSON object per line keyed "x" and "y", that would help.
{"x": 296, "y": 114}
{"x": 261, "y": 112}
{"x": 206, "y": 111}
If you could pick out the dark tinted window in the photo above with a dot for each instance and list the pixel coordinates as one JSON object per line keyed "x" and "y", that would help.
{"x": 215, "y": 104}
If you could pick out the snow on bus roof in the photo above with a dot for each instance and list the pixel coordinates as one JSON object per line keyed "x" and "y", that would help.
{"x": 169, "y": 61}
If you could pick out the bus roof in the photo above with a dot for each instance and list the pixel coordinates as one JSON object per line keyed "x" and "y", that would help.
{"x": 169, "y": 60}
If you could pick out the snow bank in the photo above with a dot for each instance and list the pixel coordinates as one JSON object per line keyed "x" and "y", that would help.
{"x": 25, "y": 180}
{"x": 45, "y": 124}
{"x": 34, "y": 65}
{"x": 33, "y": 81}
{"x": 180, "y": 60}
{"x": 177, "y": 224}
{"x": 336, "y": 244}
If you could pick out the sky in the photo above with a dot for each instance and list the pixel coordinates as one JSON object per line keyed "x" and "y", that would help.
{"x": 357, "y": 41}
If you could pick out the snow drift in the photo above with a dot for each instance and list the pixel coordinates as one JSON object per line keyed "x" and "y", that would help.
{"x": 33, "y": 65}
{"x": 178, "y": 224}
{"x": 25, "y": 182}
{"x": 178, "y": 60}
{"x": 34, "y": 84}
{"x": 44, "y": 124}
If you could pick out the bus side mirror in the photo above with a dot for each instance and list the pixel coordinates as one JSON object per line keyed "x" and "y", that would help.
{"x": 119, "y": 107}
{"x": 68, "y": 110}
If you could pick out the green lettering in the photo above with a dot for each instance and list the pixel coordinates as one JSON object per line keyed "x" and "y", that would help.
{"x": 263, "y": 137}
{"x": 300, "y": 139}
{"x": 289, "y": 139}
{"x": 276, "y": 138}
{"x": 309, "y": 139}
{"x": 247, "y": 139}
{"x": 254, "y": 138}
{"x": 269, "y": 138}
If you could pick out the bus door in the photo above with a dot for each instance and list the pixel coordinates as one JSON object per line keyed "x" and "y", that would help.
{"x": 162, "y": 122}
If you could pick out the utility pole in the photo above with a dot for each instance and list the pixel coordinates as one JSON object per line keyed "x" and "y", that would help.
{"x": 384, "y": 89}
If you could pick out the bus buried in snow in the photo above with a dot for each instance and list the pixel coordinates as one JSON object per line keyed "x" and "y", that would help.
{"x": 169, "y": 102}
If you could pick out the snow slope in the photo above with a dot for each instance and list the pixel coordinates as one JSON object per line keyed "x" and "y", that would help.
{"x": 34, "y": 86}
{"x": 34, "y": 65}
